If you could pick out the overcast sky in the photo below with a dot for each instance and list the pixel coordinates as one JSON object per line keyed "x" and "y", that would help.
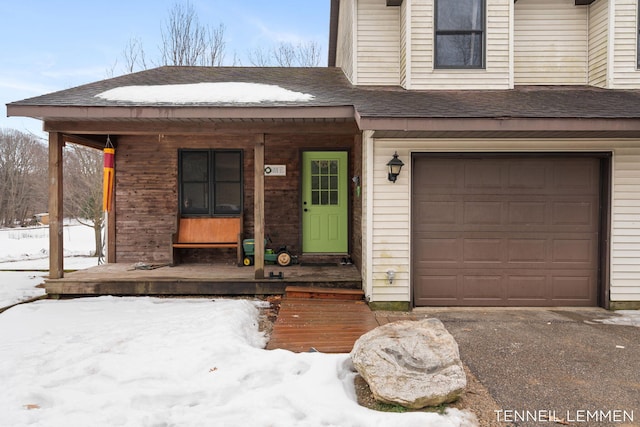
{"x": 49, "y": 45}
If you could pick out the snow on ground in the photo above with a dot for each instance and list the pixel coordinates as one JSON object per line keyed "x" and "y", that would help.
{"x": 623, "y": 317}
{"x": 24, "y": 258}
{"x": 226, "y": 92}
{"x": 16, "y": 286}
{"x": 19, "y": 244}
{"x": 166, "y": 362}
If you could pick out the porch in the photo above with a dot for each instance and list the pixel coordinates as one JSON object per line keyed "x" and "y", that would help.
{"x": 199, "y": 279}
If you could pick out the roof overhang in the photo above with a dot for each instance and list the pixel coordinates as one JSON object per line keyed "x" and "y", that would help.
{"x": 474, "y": 126}
{"x": 171, "y": 112}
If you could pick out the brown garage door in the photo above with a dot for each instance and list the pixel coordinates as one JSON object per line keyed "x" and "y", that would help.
{"x": 505, "y": 231}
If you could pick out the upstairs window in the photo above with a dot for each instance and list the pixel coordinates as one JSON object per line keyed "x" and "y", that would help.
{"x": 459, "y": 35}
{"x": 210, "y": 182}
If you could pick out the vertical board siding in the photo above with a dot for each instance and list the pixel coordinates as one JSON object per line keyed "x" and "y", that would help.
{"x": 404, "y": 79}
{"x": 598, "y": 42}
{"x": 344, "y": 48}
{"x": 378, "y": 43}
{"x": 496, "y": 73}
{"x": 391, "y": 205}
{"x": 367, "y": 213}
{"x": 550, "y": 42}
{"x": 626, "y": 75}
{"x": 625, "y": 270}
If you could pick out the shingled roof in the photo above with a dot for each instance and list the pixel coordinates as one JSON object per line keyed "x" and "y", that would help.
{"x": 389, "y": 107}
{"x": 329, "y": 86}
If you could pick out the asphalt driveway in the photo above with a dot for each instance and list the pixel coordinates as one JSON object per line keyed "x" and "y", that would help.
{"x": 561, "y": 363}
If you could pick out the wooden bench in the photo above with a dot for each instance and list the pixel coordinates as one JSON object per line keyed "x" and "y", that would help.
{"x": 207, "y": 233}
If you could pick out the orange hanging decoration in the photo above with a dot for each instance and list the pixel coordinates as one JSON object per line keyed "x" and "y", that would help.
{"x": 108, "y": 179}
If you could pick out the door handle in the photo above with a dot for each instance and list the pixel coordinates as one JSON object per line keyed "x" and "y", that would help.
{"x": 306, "y": 210}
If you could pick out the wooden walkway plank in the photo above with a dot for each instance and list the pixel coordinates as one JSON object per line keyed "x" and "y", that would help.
{"x": 326, "y": 325}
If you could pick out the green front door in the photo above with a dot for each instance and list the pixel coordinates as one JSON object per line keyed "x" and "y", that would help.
{"x": 324, "y": 202}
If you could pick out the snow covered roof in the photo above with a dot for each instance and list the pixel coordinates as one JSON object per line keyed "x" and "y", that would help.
{"x": 289, "y": 93}
{"x": 209, "y": 87}
{"x": 220, "y": 92}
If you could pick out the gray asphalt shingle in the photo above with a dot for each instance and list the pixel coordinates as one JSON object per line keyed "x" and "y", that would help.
{"x": 330, "y": 87}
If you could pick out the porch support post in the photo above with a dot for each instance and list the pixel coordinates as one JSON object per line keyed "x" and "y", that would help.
{"x": 56, "y": 214}
{"x": 258, "y": 207}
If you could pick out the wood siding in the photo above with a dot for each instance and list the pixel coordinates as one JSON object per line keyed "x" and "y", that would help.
{"x": 378, "y": 43}
{"x": 495, "y": 75}
{"x": 344, "y": 48}
{"x": 147, "y": 191}
{"x": 625, "y": 33}
{"x": 625, "y": 270}
{"x": 598, "y": 43}
{"x": 390, "y": 208}
{"x": 550, "y": 42}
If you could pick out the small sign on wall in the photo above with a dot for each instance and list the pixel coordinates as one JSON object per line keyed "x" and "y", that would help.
{"x": 275, "y": 170}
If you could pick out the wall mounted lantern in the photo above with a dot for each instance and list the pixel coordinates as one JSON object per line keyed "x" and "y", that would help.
{"x": 395, "y": 166}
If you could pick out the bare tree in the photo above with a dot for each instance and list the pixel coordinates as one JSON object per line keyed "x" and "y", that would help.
{"x": 287, "y": 55}
{"x": 23, "y": 176}
{"x": 83, "y": 189}
{"x": 134, "y": 56}
{"x": 308, "y": 54}
{"x": 284, "y": 55}
{"x": 259, "y": 58}
{"x": 187, "y": 42}
{"x": 214, "y": 52}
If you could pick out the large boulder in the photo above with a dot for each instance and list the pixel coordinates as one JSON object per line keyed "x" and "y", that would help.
{"x": 411, "y": 363}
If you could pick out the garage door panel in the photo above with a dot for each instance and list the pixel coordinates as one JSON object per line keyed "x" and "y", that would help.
{"x": 527, "y": 213}
{"x": 440, "y": 250}
{"x": 442, "y": 176}
{"x": 483, "y": 175}
{"x": 574, "y": 251}
{"x": 527, "y": 175}
{"x": 526, "y": 288}
{"x": 485, "y": 250}
{"x": 440, "y": 287}
{"x": 510, "y": 231}
{"x": 485, "y": 286}
{"x": 574, "y": 213}
{"x": 527, "y": 250}
{"x": 572, "y": 288}
{"x": 576, "y": 177}
{"x": 437, "y": 212}
{"x": 482, "y": 212}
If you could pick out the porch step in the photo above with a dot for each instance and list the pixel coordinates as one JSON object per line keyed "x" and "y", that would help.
{"x": 312, "y": 292}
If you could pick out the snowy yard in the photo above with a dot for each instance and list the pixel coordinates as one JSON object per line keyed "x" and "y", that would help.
{"x": 171, "y": 362}
{"x": 111, "y": 361}
{"x": 158, "y": 362}
{"x": 24, "y": 258}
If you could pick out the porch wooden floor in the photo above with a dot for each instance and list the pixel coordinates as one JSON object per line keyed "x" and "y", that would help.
{"x": 199, "y": 279}
{"x": 330, "y": 325}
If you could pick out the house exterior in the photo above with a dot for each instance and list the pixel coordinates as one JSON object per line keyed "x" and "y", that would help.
{"x": 521, "y": 176}
{"x": 518, "y": 124}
